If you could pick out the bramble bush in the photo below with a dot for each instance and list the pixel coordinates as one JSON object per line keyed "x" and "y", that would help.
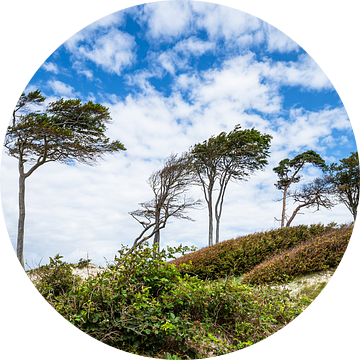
{"x": 142, "y": 304}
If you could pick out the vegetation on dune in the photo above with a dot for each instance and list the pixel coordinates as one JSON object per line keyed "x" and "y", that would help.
{"x": 145, "y": 304}
{"x": 239, "y": 256}
{"x": 319, "y": 253}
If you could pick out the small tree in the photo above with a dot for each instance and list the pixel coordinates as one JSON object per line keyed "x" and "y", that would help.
{"x": 233, "y": 156}
{"x": 63, "y": 131}
{"x": 169, "y": 186}
{"x": 315, "y": 194}
{"x": 346, "y": 181}
{"x": 288, "y": 172}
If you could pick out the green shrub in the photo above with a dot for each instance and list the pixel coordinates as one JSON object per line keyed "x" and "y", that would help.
{"x": 320, "y": 253}
{"x": 240, "y": 255}
{"x": 82, "y": 263}
{"x": 143, "y": 305}
{"x": 54, "y": 279}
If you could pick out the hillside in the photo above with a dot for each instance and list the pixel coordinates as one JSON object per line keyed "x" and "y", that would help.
{"x": 295, "y": 250}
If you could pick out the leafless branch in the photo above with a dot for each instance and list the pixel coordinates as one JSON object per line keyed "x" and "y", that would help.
{"x": 169, "y": 186}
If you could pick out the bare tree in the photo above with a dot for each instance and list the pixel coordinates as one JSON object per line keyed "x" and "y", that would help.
{"x": 169, "y": 186}
{"x": 316, "y": 194}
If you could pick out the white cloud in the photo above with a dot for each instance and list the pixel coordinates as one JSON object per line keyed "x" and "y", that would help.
{"x": 193, "y": 46}
{"x": 30, "y": 88}
{"x": 170, "y": 20}
{"x": 309, "y": 130}
{"x": 61, "y": 88}
{"x": 278, "y": 41}
{"x": 49, "y": 66}
{"x": 305, "y": 73}
{"x": 186, "y": 82}
{"x": 237, "y": 83}
{"x": 167, "y": 20}
{"x": 113, "y": 51}
{"x": 169, "y": 60}
{"x": 140, "y": 79}
{"x": 221, "y": 21}
{"x": 178, "y": 57}
{"x": 104, "y": 44}
{"x": 89, "y": 32}
{"x": 80, "y": 69}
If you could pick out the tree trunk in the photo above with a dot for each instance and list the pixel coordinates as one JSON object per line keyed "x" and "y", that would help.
{"x": 156, "y": 242}
{"x": 211, "y": 225}
{"x": 219, "y": 204}
{"x": 283, "y": 208}
{"x": 298, "y": 208}
{"x": 21, "y": 222}
{"x": 217, "y": 218}
{"x": 353, "y": 209}
{"x": 353, "y": 204}
{"x": 208, "y": 198}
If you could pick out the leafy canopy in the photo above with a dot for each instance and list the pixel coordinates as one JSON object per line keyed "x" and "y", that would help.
{"x": 288, "y": 170}
{"x": 237, "y": 154}
{"x": 346, "y": 180}
{"x": 62, "y": 131}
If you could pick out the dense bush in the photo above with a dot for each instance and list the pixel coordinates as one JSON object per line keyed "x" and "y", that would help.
{"x": 320, "y": 253}
{"x": 238, "y": 256}
{"x": 142, "y": 304}
{"x": 56, "y": 278}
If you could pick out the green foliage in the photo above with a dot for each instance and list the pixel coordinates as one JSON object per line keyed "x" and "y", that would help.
{"x": 319, "y": 253}
{"x": 238, "y": 153}
{"x": 54, "y": 279}
{"x": 288, "y": 170}
{"x": 346, "y": 179}
{"x": 239, "y": 256}
{"x": 63, "y": 130}
{"x": 171, "y": 357}
{"x": 83, "y": 263}
{"x": 142, "y": 304}
{"x": 225, "y": 157}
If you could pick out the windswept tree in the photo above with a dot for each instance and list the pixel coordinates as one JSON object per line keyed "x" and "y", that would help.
{"x": 63, "y": 131}
{"x": 314, "y": 195}
{"x": 346, "y": 181}
{"x": 288, "y": 172}
{"x": 233, "y": 156}
{"x": 169, "y": 186}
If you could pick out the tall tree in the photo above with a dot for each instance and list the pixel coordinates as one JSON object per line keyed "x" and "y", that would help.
{"x": 346, "y": 180}
{"x": 288, "y": 172}
{"x": 169, "y": 186}
{"x": 233, "y": 156}
{"x": 63, "y": 131}
{"x": 316, "y": 194}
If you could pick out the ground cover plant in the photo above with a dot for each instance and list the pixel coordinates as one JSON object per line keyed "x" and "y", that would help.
{"x": 143, "y": 304}
{"x": 239, "y": 256}
{"x": 319, "y": 253}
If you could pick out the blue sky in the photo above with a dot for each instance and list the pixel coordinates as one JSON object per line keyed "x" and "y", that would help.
{"x": 172, "y": 75}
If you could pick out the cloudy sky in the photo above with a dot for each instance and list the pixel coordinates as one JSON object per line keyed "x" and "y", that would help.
{"x": 173, "y": 74}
